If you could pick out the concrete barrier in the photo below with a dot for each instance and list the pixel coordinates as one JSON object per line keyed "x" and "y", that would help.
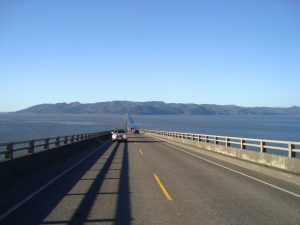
{"x": 14, "y": 167}
{"x": 276, "y": 161}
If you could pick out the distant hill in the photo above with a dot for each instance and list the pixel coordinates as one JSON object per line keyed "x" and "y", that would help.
{"x": 157, "y": 108}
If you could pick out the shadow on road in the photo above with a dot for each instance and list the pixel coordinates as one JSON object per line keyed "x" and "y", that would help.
{"x": 123, "y": 207}
{"x": 81, "y": 214}
{"x": 123, "y": 211}
{"x": 44, "y": 208}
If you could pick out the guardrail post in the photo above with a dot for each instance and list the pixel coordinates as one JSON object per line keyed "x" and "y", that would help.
{"x": 262, "y": 146}
{"x": 226, "y": 142}
{"x": 77, "y": 138}
{"x": 66, "y": 140}
{"x": 31, "y": 147}
{"x": 242, "y": 144}
{"x": 57, "y": 141}
{"x": 46, "y": 144}
{"x": 81, "y": 137}
{"x": 216, "y": 140}
{"x": 9, "y": 151}
{"x": 291, "y": 153}
{"x": 72, "y": 138}
{"x": 206, "y": 139}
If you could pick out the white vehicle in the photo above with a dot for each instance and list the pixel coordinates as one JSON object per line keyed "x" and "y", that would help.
{"x": 119, "y": 135}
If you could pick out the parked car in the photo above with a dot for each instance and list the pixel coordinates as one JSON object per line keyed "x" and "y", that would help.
{"x": 119, "y": 135}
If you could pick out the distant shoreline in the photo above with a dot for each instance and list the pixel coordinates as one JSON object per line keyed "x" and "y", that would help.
{"x": 156, "y": 108}
{"x": 132, "y": 114}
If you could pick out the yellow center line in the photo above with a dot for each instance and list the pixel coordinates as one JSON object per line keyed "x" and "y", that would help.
{"x": 141, "y": 152}
{"x": 163, "y": 188}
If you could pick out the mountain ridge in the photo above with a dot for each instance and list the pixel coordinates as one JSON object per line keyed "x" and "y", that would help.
{"x": 157, "y": 108}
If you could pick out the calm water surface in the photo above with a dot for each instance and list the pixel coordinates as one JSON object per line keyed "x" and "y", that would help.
{"x": 15, "y": 127}
{"x": 264, "y": 127}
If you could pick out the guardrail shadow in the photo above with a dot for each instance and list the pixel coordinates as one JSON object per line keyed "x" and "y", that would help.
{"x": 50, "y": 198}
{"x": 123, "y": 207}
{"x": 81, "y": 214}
{"x": 123, "y": 211}
{"x": 53, "y": 198}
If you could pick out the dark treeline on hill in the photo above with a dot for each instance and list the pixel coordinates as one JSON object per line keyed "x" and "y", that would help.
{"x": 157, "y": 108}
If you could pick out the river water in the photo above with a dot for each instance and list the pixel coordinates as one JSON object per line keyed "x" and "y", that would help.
{"x": 15, "y": 126}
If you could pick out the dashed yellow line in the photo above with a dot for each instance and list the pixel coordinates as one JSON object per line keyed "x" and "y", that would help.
{"x": 141, "y": 151}
{"x": 163, "y": 188}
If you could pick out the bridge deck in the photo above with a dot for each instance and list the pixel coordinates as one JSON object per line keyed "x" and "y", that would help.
{"x": 147, "y": 181}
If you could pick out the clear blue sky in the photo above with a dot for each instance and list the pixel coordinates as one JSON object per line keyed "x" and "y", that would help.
{"x": 220, "y": 52}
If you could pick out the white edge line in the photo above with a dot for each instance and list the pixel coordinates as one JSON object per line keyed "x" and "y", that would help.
{"x": 235, "y": 171}
{"x": 5, "y": 214}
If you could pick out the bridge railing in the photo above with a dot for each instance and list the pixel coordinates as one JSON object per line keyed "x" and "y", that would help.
{"x": 12, "y": 150}
{"x": 288, "y": 148}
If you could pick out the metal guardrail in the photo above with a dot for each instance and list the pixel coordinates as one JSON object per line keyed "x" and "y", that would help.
{"x": 290, "y": 147}
{"x": 10, "y": 150}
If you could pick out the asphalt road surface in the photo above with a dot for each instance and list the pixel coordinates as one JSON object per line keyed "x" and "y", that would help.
{"x": 147, "y": 181}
